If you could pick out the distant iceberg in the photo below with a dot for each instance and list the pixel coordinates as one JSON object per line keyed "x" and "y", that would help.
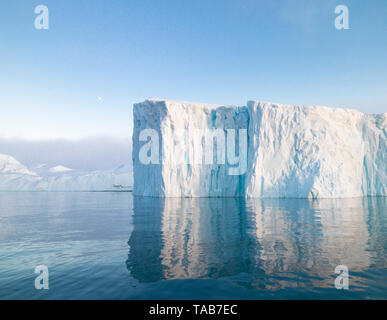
{"x": 291, "y": 151}
{"x": 59, "y": 168}
{"x": 14, "y": 176}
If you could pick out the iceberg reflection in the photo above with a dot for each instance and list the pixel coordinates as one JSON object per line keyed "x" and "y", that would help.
{"x": 265, "y": 243}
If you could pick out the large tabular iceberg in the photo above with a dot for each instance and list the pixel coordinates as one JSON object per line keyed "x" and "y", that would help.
{"x": 259, "y": 150}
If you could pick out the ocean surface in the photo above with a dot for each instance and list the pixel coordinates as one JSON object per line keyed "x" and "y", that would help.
{"x": 101, "y": 245}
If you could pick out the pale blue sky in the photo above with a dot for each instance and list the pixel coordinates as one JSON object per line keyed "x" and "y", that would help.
{"x": 218, "y": 51}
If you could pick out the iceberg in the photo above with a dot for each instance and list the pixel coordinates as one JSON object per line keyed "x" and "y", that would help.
{"x": 59, "y": 169}
{"x": 10, "y": 165}
{"x": 14, "y": 176}
{"x": 261, "y": 150}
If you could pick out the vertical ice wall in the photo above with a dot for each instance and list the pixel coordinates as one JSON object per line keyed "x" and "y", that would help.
{"x": 374, "y": 134}
{"x": 184, "y": 168}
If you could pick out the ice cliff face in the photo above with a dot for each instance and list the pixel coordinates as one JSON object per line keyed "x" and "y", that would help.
{"x": 258, "y": 150}
{"x": 181, "y": 127}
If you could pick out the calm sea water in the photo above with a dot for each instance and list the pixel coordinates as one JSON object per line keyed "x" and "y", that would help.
{"x": 116, "y": 246}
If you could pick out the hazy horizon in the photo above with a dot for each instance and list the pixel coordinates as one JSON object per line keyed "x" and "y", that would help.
{"x": 87, "y": 154}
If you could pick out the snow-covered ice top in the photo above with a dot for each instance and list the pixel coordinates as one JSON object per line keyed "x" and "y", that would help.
{"x": 10, "y": 165}
{"x": 59, "y": 168}
{"x": 292, "y": 151}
